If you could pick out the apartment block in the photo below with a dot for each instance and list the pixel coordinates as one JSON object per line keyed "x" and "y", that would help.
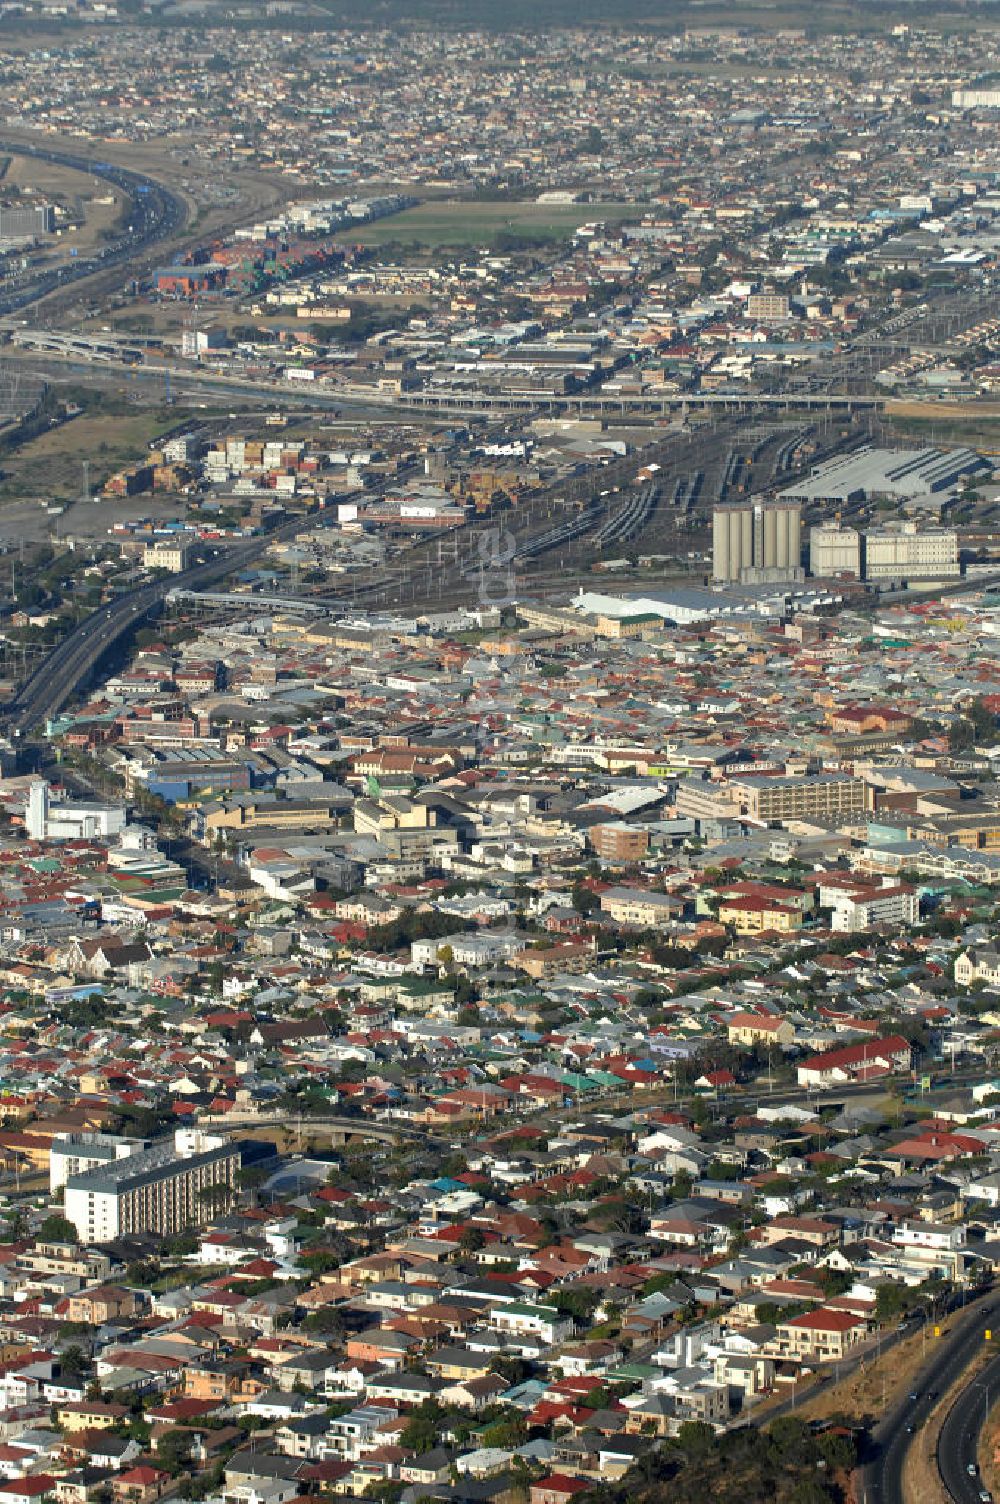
{"x": 819, "y": 796}
{"x": 159, "y": 1191}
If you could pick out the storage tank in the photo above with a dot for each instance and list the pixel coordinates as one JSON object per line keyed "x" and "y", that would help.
{"x": 773, "y": 539}
{"x": 720, "y": 545}
{"x": 743, "y": 522}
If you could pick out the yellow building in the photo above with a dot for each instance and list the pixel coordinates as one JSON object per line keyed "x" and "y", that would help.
{"x": 752, "y": 916}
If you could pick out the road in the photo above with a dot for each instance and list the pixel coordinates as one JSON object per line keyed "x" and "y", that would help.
{"x": 958, "y": 1444}
{"x": 894, "y": 1434}
{"x": 156, "y": 214}
{"x": 68, "y": 667}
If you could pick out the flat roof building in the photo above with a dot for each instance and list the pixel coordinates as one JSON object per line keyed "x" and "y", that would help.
{"x": 894, "y": 473}
{"x": 819, "y": 796}
{"x": 159, "y": 1191}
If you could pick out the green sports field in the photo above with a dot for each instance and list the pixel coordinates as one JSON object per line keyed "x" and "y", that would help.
{"x": 464, "y": 223}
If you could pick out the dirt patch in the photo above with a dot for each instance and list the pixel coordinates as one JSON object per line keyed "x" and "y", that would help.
{"x": 876, "y": 1386}
{"x": 942, "y": 412}
{"x": 989, "y": 1451}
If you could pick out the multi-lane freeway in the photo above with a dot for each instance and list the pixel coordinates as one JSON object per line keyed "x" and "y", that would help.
{"x": 958, "y": 1444}
{"x": 893, "y": 1435}
{"x": 69, "y": 665}
{"x": 156, "y": 213}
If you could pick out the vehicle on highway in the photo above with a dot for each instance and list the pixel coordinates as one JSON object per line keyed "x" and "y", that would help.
{"x": 972, "y": 1469}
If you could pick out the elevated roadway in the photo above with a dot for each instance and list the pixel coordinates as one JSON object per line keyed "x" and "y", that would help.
{"x": 340, "y": 1127}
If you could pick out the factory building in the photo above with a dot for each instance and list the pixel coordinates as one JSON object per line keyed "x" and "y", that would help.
{"x": 19, "y": 223}
{"x": 899, "y": 552}
{"x": 756, "y": 542}
{"x": 975, "y": 99}
{"x": 834, "y": 550}
{"x": 69, "y": 820}
{"x": 896, "y": 551}
{"x": 891, "y": 474}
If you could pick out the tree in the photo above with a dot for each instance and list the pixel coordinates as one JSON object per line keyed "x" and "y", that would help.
{"x": 472, "y": 1239}
{"x": 173, "y": 1451}
{"x": 695, "y": 1438}
{"x": 585, "y": 900}
{"x": 73, "y": 1364}
{"x": 511, "y": 1431}
{"x": 422, "y": 1430}
{"x": 320, "y": 1260}
{"x": 580, "y": 1304}
{"x": 58, "y": 1229}
{"x": 324, "y": 1322}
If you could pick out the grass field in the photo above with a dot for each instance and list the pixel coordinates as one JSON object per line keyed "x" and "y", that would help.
{"x": 976, "y": 424}
{"x": 50, "y": 468}
{"x": 463, "y": 223}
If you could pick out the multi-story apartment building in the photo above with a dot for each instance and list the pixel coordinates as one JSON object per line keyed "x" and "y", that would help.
{"x": 158, "y": 1191}
{"x": 820, "y": 796}
{"x": 76, "y": 1153}
{"x": 617, "y": 841}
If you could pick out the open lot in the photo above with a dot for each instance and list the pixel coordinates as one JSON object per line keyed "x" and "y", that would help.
{"x": 486, "y": 223}
{"x": 973, "y": 423}
{"x": 95, "y": 205}
{"x": 50, "y": 469}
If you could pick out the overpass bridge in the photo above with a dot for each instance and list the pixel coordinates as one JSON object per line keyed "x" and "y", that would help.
{"x": 475, "y": 402}
{"x": 340, "y": 1128}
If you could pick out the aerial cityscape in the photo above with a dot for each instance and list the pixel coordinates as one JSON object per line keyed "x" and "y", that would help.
{"x": 499, "y": 752}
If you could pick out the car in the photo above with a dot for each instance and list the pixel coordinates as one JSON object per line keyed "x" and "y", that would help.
{"x": 972, "y": 1470}
{"x": 910, "y": 1429}
{"x": 985, "y": 1496}
{"x": 914, "y": 1395}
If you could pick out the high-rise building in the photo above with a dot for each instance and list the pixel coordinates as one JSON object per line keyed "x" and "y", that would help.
{"x": 159, "y": 1190}
{"x": 756, "y": 541}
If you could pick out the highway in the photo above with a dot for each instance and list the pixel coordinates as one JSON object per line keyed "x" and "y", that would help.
{"x": 156, "y": 214}
{"x": 894, "y": 1433}
{"x": 958, "y": 1444}
{"x": 68, "y": 667}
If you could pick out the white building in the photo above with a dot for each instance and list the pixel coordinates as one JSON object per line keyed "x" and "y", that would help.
{"x": 76, "y": 1153}
{"x": 69, "y": 821}
{"x": 169, "y": 554}
{"x": 864, "y": 910}
{"x": 900, "y": 551}
{"x": 159, "y": 1190}
{"x": 834, "y": 550}
{"x": 470, "y": 950}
